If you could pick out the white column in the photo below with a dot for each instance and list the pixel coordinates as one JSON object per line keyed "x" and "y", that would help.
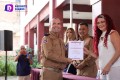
{"x": 50, "y": 10}
{"x": 71, "y": 15}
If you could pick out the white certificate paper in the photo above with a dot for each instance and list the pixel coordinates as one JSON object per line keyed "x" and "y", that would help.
{"x": 75, "y": 50}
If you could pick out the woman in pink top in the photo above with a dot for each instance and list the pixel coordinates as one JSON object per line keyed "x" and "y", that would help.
{"x": 106, "y": 48}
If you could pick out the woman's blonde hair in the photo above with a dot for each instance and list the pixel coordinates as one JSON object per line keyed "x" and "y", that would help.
{"x": 73, "y": 35}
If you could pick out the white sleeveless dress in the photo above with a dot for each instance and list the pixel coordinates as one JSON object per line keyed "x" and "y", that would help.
{"x": 105, "y": 54}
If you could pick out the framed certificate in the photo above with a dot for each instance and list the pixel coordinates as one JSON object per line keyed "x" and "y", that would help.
{"x": 75, "y": 50}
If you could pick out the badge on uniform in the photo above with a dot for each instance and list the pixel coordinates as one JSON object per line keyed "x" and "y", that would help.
{"x": 45, "y": 41}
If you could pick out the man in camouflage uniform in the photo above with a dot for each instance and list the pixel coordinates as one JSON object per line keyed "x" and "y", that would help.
{"x": 53, "y": 53}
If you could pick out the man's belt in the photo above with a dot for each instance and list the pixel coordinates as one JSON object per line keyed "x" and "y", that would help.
{"x": 53, "y": 69}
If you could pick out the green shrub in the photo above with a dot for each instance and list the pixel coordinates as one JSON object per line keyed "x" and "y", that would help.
{"x": 36, "y": 63}
{"x": 2, "y": 67}
{"x": 11, "y": 66}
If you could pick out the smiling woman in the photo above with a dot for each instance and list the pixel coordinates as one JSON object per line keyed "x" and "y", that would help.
{"x": 107, "y": 47}
{"x": 101, "y": 24}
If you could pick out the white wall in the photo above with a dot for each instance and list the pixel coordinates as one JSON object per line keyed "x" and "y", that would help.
{"x": 96, "y": 10}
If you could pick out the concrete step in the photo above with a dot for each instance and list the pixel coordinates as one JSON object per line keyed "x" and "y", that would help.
{"x": 8, "y": 77}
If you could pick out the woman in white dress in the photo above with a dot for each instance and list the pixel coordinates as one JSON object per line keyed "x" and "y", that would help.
{"x": 106, "y": 48}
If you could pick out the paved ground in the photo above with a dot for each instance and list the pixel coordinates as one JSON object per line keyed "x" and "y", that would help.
{"x": 8, "y": 78}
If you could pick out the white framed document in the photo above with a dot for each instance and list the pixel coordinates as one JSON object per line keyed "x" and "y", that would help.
{"x": 75, "y": 50}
